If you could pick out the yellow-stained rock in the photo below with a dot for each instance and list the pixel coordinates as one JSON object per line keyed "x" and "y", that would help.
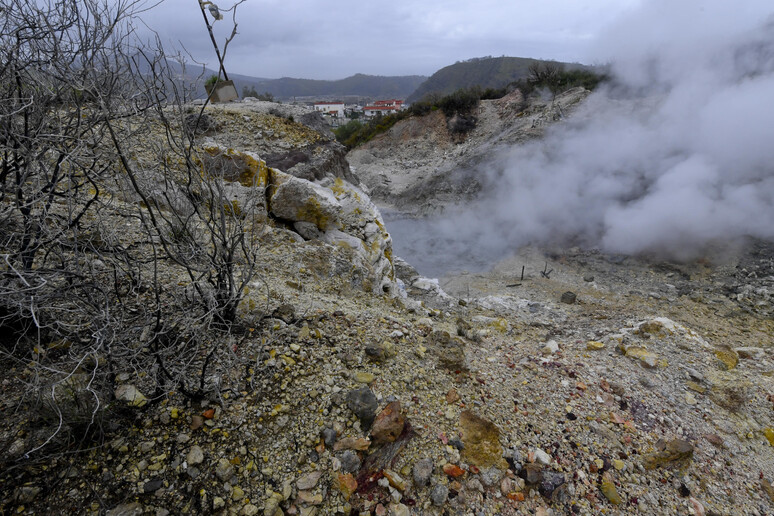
{"x": 769, "y": 433}
{"x": 607, "y": 486}
{"x": 482, "y": 441}
{"x": 728, "y": 358}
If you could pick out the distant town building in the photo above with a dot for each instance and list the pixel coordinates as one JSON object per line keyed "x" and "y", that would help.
{"x": 335, "y": 109}
{"x": 385, "y": 107}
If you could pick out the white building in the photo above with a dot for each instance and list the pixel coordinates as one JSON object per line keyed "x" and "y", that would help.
{"x": 385, "y": 107}
{"x": 335, "y": 109}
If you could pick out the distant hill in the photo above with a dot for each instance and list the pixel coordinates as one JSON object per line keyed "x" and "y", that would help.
{"x": 358, "y": 85}
{"x": 487, "y": 72}
{"x": 398, "y": 87}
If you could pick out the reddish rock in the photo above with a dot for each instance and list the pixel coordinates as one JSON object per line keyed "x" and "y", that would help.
{"x": 453, "y": 470}
{"x": 388, "y": 424}
{"x": 352, "y": 443}
{"x": 346, "y": 484}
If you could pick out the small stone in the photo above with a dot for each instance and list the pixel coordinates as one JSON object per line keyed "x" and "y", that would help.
{"x": 457, "y": 443}
{"x": 449, "y": 350}
{"x": 195, "y": 456}
{"x": 439, "y": 494}
{"x": 27, "y": 494}
{"x": 388, "y": 425}
{"x": 350, "y": 462}
{"x": 588, "y": 278}
{"x": 507, "y": 485}
{"x": 218, "y": 503}
{"x": 453, "y": 470}
{"x": 16, "y": 448}
{"x": 698, "y": 507}
{"x": 490, "y": 476}
{"x": 329, "y": 437}
{"x": 568, "y": 297}
{"x": 769, "y": 433}
{"x": 252, "y": 510}
{"x": 395, "y": 479}
{"x": 551, "y": 481}
{"x": 646, "y": 358}
{"x": 542, "y": 457}
{"x": 237, "y": 493}
{"x": 352, "y": 443}
{"x": 482, "y": 441}
{"x": 768, "y": 488}
{"x": 399, "y": 510}
{"x": 196, "y": 422}
{"x": 131, "y": 395}
{"x": 674, "y": 451}
{"x": 550, "y": 348}
{"x": 224, "y": 470}
{"x": 696, "y": 387}
{"x": 364, "y": 377}
{"x": 595, "y": 345}
{"x": 474, "y": 484}
{"x": 363, "y": 403}
{"x": 308, "y": 481}
{"x": 618, "y": 464}
{"x": 728, "y": 359}
{"x": 532, "y": 473}
{"x": 422, "y": 471}
{"x": 749, "y": 352}
{"x": 452, "y": 396}
{"x": 347, "y": 484}
{"x": 607, "y": 486}
{"x": 375, "y": 352}
{"x": 152, "y": 486}
{"x": 285, "y": 312}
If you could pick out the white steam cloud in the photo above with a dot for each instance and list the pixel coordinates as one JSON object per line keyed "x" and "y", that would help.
{"x": 675, "y": 159}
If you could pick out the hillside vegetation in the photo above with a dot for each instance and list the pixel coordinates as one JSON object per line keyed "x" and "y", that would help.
{"x": 485, "y": 72}
{"x": 458, "y": 105}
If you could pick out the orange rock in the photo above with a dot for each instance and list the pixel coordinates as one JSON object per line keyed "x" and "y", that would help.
{"x": 453, "y": 470}
{"x": 452, "y": 396}
{"x": 581, "y": 386}
{"x": 209, "y": 413}
{"x": 352, "y": 443}
{"x": 516, "y": 497}
{"x": 346, "y": 484}
{"x": 388, "y": 424}
{"x": 617, "y": 419}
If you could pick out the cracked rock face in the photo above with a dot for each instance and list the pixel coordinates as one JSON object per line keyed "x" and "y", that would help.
{"x": 333, "y": 211}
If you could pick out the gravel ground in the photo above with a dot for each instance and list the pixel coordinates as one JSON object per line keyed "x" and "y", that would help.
{"x": 609, "y": 385}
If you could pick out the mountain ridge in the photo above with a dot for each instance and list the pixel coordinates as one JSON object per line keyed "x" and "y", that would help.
{"x": 486, "y": 72}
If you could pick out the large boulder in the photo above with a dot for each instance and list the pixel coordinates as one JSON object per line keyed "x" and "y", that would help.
{"x": 298, "y": 200}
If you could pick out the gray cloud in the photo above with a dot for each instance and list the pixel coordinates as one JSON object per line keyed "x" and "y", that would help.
{"x": 332, "y": 40}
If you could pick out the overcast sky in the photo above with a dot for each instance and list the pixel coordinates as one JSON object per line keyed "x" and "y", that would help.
{"x": 332, "y": 40}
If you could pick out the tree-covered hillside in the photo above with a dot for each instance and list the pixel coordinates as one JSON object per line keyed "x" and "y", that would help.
{"x": 486, "y": 72}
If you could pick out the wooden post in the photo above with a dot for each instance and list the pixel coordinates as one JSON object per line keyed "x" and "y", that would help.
{"x": 214, "y": 43}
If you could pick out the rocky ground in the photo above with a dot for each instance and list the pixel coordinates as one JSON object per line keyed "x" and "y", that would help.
{"x": 585, "y": 384}
{"x": 419, "y": 167}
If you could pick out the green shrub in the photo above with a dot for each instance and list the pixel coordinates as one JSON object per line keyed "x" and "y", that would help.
{"x": 210, "y": 83}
